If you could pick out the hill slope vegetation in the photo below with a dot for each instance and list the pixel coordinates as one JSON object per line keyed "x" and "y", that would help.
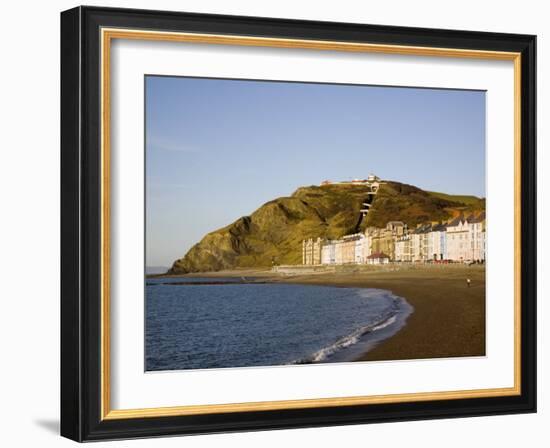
{"x": 274, "y": 232}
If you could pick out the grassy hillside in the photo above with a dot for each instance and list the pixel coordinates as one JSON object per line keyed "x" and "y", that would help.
{"x": 464, "y": 199}
{"x": 274, "y": 232}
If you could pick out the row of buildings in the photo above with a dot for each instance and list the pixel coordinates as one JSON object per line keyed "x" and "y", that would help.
{"x": 459, "y": 240}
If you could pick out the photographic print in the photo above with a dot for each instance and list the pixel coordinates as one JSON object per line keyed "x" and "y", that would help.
{"x": 295, "y": 223}
{"x": 254, "y": 207}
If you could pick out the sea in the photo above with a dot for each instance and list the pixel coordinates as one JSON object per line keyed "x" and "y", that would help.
{"x": 207, "y": 323}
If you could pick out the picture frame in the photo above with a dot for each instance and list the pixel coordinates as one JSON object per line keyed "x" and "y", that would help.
{"x": 86, "y": 37}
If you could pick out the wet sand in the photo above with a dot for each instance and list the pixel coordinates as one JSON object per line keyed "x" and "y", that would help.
{"x": 448, "y": 318}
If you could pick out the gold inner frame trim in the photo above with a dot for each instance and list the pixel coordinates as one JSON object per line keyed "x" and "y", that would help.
{"x": 107, "y": 35}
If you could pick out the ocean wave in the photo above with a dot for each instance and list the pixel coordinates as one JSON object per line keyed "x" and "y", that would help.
{"x": 374, "y": 293}
{"x": 353, "y": 338}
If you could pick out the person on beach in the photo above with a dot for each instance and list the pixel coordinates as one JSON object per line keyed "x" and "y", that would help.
{"x": 468, "y": 281}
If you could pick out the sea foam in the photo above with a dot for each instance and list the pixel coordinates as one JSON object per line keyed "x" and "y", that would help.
{"x": 399, "y": 308}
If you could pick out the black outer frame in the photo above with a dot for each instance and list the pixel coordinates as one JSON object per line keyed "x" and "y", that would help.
{"x": 80, "y": 223}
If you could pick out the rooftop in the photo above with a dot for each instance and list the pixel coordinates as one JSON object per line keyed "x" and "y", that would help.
{"x": 377, "y": 255}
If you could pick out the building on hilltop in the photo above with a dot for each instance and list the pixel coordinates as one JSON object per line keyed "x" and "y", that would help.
{"x": 369, "y": 180}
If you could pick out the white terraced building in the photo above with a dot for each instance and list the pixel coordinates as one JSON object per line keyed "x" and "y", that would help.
{"x": 458, "y": 235}
{"x": 466, "y": 238}
{"x": 437, "y": 243}
{"x": 461, "y": 240}
{"x": 476, "y": 227}
{"x": 403, "y": 248}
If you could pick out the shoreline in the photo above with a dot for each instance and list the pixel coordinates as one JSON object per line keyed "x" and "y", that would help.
{"x": 448, "y": 318}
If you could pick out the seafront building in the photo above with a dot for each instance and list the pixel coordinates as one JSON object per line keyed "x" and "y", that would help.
{"x": 462, "y": 239}
{"x": 477, "y": 236}
{"x": 403, "y": 248}
{"x": 378, "y": 258}
{"x": 437, "y": 242}
{"x": 311, "y": 251}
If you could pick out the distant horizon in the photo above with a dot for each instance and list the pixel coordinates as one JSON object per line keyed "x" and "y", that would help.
{"x": 217, "y": 150}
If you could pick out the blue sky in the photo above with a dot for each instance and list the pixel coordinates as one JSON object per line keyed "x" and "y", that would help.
{"x": 218, "y": 149}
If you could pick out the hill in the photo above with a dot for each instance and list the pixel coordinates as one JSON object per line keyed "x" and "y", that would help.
{"x": 274, "y": 232}
{"x": 465, "y": 199}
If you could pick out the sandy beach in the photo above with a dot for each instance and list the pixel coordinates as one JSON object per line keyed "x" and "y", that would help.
{"x": 448, "y": 318}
